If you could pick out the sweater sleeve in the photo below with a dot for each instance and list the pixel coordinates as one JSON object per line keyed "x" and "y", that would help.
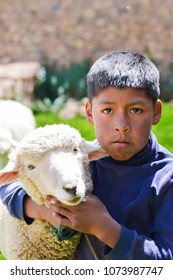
{"x": 12, "y": 196}
{"x": 156, "y": 244}
{"x": 132, "y": 246}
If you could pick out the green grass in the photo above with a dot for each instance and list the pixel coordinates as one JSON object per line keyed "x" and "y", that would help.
{"x": 79, "y": 122}
{"x": 1, "y": 257}
{"x": 164, "y": 129}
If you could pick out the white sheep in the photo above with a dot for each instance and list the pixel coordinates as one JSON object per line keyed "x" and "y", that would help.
{"x": 16, "y": 120}
{"x": 51, "y": 160}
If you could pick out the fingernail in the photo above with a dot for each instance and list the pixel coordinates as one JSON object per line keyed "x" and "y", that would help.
{"x": 53, "y": 201}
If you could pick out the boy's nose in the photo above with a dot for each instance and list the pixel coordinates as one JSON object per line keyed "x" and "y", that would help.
{"x": 121, "y": 129}
{"x": 121, "y": 125}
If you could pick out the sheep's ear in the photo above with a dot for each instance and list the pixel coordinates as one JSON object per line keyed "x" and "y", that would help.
{"x": 94, "y": 150}
{"x": 9, "y": 173}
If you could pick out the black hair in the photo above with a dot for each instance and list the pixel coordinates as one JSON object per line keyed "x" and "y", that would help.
{"x": 124, "y": 69}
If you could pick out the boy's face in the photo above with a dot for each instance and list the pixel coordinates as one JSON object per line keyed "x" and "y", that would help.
{"x": 122, "y": 119}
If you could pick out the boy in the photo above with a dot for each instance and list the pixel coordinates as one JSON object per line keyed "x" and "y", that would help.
{"x": 129, "y": 214}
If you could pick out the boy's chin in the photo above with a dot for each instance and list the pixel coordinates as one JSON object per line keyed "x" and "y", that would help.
{"x": 120, "y": 156}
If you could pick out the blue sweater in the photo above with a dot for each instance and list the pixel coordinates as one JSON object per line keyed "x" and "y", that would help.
{"x": 138, "y": 194}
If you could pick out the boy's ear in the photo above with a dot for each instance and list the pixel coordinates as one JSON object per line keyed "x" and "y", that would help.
{"x": 157, "y": 112}
{"x": 88, "y": 111}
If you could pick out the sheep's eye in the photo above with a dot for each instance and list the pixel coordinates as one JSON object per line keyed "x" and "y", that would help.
{"x": 76, "y": 150}
{"x": 30, "y": 167}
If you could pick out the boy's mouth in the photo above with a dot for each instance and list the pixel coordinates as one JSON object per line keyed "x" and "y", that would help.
{"x": 120, "y": 143}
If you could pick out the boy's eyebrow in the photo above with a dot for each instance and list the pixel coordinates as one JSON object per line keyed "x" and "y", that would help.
{"x": 140, "y": 102}
{"x": 106, "y": 102}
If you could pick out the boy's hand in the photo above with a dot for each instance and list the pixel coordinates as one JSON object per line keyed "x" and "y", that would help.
{"x": 91, "y": 217}
{"x": 35, "y": 211}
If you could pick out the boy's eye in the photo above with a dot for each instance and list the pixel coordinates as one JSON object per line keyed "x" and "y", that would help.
{"x": 107, "y": 111}
{"x": 135, "y": 110}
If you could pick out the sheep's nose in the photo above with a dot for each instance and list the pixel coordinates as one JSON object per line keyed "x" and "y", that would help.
{"x": 70, "y": 189}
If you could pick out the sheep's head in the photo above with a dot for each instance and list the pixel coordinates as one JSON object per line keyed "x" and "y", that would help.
{"x": 53, "y": 160}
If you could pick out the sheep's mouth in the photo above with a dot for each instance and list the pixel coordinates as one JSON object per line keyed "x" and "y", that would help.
{"x": 75, "y": 201}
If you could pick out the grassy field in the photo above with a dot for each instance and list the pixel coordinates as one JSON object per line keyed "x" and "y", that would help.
{"x": 79, "y": 122}
{"x": 1, "y": 257}
{"x": 163, "y": 130}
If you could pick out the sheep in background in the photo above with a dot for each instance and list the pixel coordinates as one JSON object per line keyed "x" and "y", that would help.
{"x": 51, "y": 160}
{"x": 16, "y": 120}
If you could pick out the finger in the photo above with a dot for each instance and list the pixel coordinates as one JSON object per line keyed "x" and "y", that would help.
{"x": 52, "y": 200}
{"x": 63, "y": 212}
{"x": 48, "y": 197}
{"x": 54, "y": 207}
{"x": 57, "y": 215}
{"x": 56, "y": 220}
{"x": 62, "y": 220}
